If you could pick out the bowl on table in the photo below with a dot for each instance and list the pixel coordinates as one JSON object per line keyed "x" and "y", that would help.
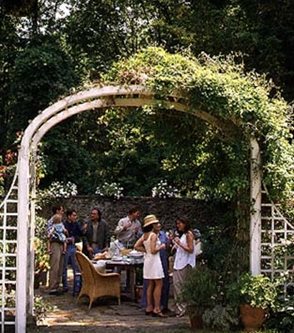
{"x": 136, "y": 254}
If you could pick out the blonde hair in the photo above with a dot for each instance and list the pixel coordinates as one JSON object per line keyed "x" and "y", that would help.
{"x": 56, "y": 218}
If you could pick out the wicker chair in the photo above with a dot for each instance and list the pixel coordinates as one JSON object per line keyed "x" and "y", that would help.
{"x": 97, "y": 284}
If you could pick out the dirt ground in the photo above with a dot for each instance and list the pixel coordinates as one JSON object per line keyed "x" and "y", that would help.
{"x": 105, "y": 316}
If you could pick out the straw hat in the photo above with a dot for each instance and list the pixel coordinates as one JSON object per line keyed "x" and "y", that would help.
{"x": 150, "y": 219}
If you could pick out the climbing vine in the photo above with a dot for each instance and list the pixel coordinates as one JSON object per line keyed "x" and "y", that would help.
{"x": 238, "y": 101}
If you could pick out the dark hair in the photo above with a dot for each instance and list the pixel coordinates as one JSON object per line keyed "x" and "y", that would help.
{"x": 99, "y": 212}
{"x": 185, "y": 221}
{"x": 133, "y": 210}
{"x": 148, "y": 228}
{"x": 70, "y": 211}
{"x": 56, "y": 208}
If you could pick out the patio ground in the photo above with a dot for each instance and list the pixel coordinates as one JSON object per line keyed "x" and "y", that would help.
{"x": 105, "y": 316}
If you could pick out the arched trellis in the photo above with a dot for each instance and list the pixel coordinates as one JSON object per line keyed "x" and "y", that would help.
{"x": 95, "y": 98}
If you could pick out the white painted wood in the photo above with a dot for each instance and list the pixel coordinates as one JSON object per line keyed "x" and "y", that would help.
{"x": 274, "y": 240}
{"x": 31, "y": 256}
{"x": 22, "y": 239}
{"x": 255, "y": 216}
{"x": 124, "y": 102}
{"x": 96, "y": 104}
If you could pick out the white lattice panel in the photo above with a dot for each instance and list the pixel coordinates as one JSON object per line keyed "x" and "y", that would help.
{"x": 277, "y": 244}
{"x": 8, "y": 245}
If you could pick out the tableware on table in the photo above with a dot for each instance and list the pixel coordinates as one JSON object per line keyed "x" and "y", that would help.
{"x": 136, "y": 254}
{"x": 104, "y": 255}
{"x": 117, "y": 258}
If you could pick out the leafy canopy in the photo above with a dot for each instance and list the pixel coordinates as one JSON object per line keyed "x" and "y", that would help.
{"x": 240, "y": 102}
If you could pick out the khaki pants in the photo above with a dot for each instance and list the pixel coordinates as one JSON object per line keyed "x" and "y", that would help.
{"x": 179, "y": 276}
{"x": 56, "y": 265}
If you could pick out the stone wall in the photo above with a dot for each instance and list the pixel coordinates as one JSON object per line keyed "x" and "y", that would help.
{"x": 199, "y": 212}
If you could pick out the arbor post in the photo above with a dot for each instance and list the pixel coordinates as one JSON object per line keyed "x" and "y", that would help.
{"x": 22, "y": 240}
{"x": 255, "y": 213}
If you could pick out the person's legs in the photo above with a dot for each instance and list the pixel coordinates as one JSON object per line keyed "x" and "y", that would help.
{"x": 75, "y": 268}
{"x": 150, "y": 288}
{"x": 157, "y": 295}
{"x": 177, "y": 290}
{"x": 55, "y": 260}
{"x": 179, "y": 277}
{"x": 165, "y": 290}
{"x": 143, "y": 302}
{"x": 69, "y": 258}
{"x": 64, "y": 271}
{"x": 61, "y": 265}
{"x": 73, "y": 261}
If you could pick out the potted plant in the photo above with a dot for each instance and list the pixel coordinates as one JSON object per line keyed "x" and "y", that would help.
{"x": 255, "y": 295}
{"x": 199, "y": 292}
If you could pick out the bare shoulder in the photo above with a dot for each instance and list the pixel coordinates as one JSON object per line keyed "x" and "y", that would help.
{"x": 153, "y": 235}
{"x": 190, "y": 234}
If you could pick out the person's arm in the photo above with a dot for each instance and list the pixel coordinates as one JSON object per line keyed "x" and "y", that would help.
{"x": 86, "y": 240}
{"x": 139, "y": 246}
{"x": 123, "y": 225}
{"x": 49, "y": 247}
{"x": 65, "y": 231}
{"x": 119, "y": 228}
{"x": 49, "y": 226}
{"x": 190, "y": 242}
{"x": 50, "y": 232}
{"x": 153, "y": 247}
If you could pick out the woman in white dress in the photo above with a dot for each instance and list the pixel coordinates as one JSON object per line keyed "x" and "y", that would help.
{"x": 152, "y": 269}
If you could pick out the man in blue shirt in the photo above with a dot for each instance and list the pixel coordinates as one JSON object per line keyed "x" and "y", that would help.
{"x": 74, "y": 236}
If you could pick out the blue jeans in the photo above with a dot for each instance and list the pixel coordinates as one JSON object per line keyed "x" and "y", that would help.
{"x": 69, "y": 257}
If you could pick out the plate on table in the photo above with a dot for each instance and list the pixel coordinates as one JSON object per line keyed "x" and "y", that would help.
{"x": 136, "y": 254}
{"x": 117, "y": 258}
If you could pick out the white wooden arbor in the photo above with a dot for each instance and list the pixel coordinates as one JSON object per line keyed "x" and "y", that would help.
{"x": 23, "y": 188}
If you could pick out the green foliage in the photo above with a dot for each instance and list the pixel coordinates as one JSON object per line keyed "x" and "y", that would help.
{"x": 221, "y": 318}
{"x": 55, "y": 76}
{"x": 283, "y": 317}
{"x": 40, "y": 246}
{"x": 257, "y": 291}
{"x": 45, "y": 54}
{"x": 238, "y": 101}
{"x": 41, "y": 308}
{"x": 200, "y": 289}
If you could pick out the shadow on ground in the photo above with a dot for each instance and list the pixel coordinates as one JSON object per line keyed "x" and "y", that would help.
{"x": 105, "y": 316}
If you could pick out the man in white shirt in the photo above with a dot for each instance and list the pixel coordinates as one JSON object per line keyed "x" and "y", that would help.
{"x": 129, "y": 228}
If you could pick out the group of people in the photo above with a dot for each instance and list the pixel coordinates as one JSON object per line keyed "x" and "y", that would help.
{"x": 157, "y": 245}
{"x": 93, "y": 234}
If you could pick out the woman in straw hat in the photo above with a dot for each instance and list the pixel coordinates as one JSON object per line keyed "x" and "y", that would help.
{"x": 152, "y": 269}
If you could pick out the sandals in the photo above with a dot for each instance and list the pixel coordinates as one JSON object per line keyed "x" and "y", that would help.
{"x": 148, "y": 313}
{"x": 158, "y": 314}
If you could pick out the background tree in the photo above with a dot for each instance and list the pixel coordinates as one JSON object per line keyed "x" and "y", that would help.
{"x": 52, "y": 46}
